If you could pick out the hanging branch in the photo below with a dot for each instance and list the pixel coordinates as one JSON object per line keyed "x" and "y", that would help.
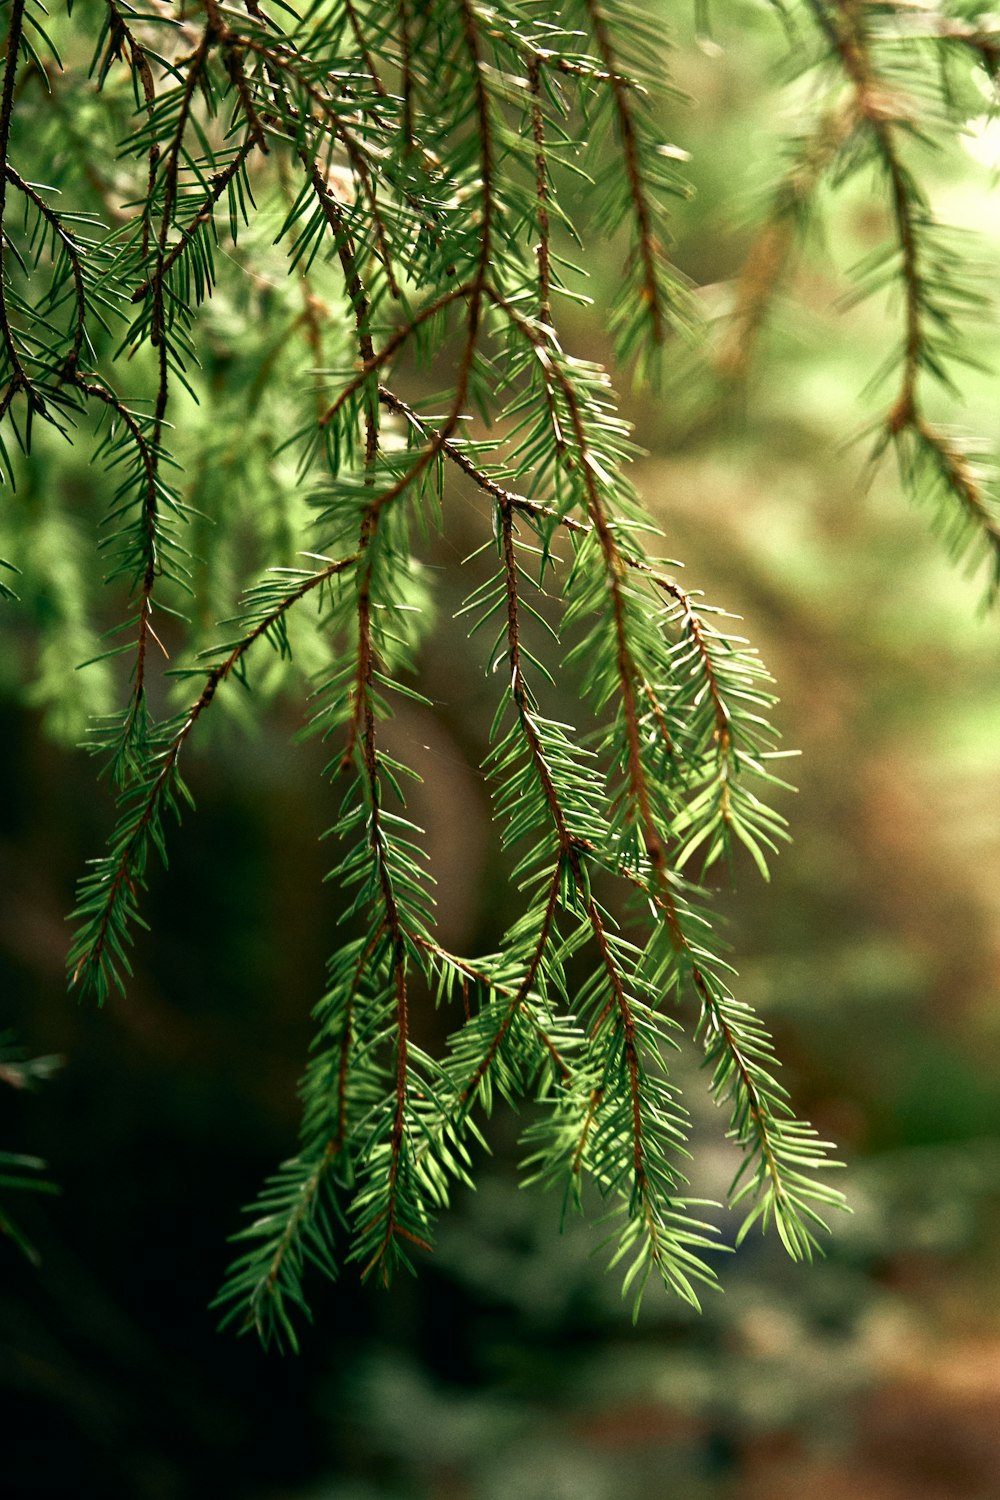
{"x": 387, "y": 1221}
{"x": 120, "y": 37}
{"x": 732, "y": 1037}
{"x": 73, "y": 257}
{"x": 108, "y": 905}
{"x": 771, "y": 247}
{"x": 654, "y": 298}
{"x": 933, "y": 465}
{"x": 647, "y": 248}
{"x": 405, "y": 167}
{"x": 20, "y": 379}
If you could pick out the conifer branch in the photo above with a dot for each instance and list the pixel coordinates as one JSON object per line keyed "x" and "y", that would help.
{"x": 543, "y": 249}
{"x": 474, "y": 295}
{"x": 220, "y": 182}
{"x": 409, "y": 169}
{"x": 754, "y": 1124}
{"x": 73, "y": 257}
{"x": 928, "y": 459}
{"x": 665, "y": 1250}
{"x": 107, "y": 898}
{"x": 647, "y": 246}
{"x": 120, "y": 36}
{"x": 159, "y": 336}
{"x": 387, "y": 1222}
{"x": 770, "y": 248}
{"x": 19, "y": 375}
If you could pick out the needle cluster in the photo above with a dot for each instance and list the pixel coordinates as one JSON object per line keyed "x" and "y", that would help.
{"x": 381, "y": 189}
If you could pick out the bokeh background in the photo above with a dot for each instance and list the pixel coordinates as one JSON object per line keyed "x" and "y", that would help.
{"x": 510, "y": 1369}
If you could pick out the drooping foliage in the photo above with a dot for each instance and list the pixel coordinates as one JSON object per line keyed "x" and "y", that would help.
{"x": 347, "y": 199}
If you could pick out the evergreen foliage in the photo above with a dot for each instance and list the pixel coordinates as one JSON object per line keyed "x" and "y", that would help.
{"x": 326, "y": 198}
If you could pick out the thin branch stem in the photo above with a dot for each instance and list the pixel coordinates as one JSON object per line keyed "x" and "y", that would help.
{"x": 139, "y": 63}
{"x": 571, "y": 848}
{"x": 147, "y": 813}
{"x": 72, "y": 255}
{"x": 15, "y": 30}
{"x": 220, "y": 181}
{"x": 543, "y": 249}
{"x": 639, "y": 792}
{"x": 646, "y": 238}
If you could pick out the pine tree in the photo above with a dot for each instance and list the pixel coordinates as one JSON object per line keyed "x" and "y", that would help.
{"x": 331, "y": 197}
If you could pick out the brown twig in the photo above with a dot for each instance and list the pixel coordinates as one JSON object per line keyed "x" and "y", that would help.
{"x": 72, "y": 256}
{"x": 219, "y": 183}
{"x": 771, "y": 246}
{"x": 365, "y": 54}
{"x": 571, "y": 847}
{"x": 126, "y": 853}
{"x": 20, "y": 379}
{"x": 639, "y": 792}
{"x": 542, "y": 249}
{"x": 647, "y": 243}
{"x": 406, "y": 74}
{"x": 139, "y": 63}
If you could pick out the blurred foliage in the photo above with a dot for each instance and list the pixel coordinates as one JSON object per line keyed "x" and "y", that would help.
{"x": 510, "y": 1369}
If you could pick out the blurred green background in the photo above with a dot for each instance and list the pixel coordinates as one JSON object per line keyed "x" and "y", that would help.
{"x": 509, "y": 1369}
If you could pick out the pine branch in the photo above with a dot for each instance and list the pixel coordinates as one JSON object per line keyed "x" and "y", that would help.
{"x": 19, "y": 379}
{"x": 752, "y": 1124}
{"x": 119, "y": 40}
{"x": 406, "y": 166}
{"x": 648, "y": 249}
{"x": 813, "y": 158}
{"x": 107, "y": 903}
{"x": 614, "y": 1026}
{"x": 655, "y": 298}
{"x": 931, "y": 463}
